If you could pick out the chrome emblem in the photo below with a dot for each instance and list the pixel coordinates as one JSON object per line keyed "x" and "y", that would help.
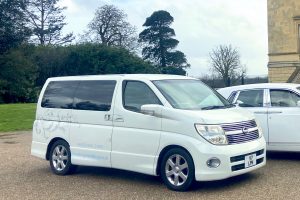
{"x": 245, "y": 130}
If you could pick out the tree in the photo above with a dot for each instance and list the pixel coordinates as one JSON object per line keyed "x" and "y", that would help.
{"x": 159, "y": 44}
{"x": 110, "y": 28}
{"x": 47, "y": 21}
{"x": 24, "y": 70}
{"x": 86, "y": 59}
{"x": 13, "y": 29}
{"x": 17, "y": 76}
{"x": 225, "y": 61}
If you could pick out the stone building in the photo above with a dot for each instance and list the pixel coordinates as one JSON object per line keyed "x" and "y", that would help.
{"x": 284, "y": 40}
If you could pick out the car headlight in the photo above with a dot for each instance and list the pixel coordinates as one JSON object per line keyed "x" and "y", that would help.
{"x": 212, "y": 133}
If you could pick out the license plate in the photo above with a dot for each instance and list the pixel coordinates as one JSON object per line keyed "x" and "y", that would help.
{"x": 250, "y": 160}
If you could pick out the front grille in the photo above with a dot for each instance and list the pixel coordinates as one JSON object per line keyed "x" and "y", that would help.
{"x": 240, "y": 136}
{"x": 242, "y": 157}
{"x": 239, "y": 125}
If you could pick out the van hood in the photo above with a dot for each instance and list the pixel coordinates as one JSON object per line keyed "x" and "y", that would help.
{"x": 221, "y": 116}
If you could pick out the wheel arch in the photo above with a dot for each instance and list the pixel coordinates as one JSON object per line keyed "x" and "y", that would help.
{"x": 53, "y": 140}
{"x": 164, "y": 151}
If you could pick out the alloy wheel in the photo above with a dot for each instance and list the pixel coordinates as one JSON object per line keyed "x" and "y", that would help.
{"x": 176, "y": 170}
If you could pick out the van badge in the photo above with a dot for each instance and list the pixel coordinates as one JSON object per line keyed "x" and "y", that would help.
{"x": 245, "y": 130}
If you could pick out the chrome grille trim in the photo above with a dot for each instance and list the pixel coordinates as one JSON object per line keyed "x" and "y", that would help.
{"x": 238, "y": 125}
{"x": 241, "y": 138}
{"x": 234, "y": 132}
{"x": 240, "y": 131}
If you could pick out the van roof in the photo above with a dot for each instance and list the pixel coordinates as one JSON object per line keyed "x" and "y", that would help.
{"x": 121, "y": 76}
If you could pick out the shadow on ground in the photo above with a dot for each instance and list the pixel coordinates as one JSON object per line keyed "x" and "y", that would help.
{"x": 137, "y": 178}
{"x": 288, "y": 156}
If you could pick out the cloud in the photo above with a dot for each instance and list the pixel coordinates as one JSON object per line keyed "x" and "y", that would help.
{"x": 200, "y": 25}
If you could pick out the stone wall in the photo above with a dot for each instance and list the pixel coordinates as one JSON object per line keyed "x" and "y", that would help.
{"x": 280, "y": 74}
{"x": 283, "y": 38}
{"x": 283, "y": 29}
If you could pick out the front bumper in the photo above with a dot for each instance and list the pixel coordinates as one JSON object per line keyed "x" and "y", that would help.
{"x": 232, "y": 159}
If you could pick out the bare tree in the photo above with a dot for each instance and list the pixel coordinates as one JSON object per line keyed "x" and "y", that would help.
{"x": 109, "y": 27}
{"x": 225, "y": 61}
{"x": 47, "y": 21}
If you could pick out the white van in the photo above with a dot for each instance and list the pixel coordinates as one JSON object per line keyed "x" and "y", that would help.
{"x": 172, "y": 126}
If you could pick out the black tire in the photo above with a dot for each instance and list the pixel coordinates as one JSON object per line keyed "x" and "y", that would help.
{"x": 178, "y": 170}
{"x": 55, "y": 159}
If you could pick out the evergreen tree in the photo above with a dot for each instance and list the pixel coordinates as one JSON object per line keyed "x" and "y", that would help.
{"x": 13, "y": 29}
{"x": 159, "y": 44}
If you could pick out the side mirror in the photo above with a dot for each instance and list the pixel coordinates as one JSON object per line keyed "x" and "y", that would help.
{"x": 298, "y": 103}
{"x": 151, "y": 109}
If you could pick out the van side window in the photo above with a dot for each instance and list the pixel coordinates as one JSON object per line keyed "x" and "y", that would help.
{"x": 283, "y": 98}
{"x": 94, "y": 95}
{"x": 136, "y": 94}
{"x": 59, "y": 94}
{"x": 251, "y": 98}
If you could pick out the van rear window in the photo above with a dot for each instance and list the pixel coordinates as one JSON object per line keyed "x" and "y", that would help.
{"x": 94, "y": 95}
{"x": 80, "y": 95}
{"x": 59, "y": 94}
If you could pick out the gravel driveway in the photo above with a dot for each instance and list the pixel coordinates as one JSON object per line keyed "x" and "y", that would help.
{"x": 25, "y": 177}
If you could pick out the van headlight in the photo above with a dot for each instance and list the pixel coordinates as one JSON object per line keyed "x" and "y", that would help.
{"x": 212, "y": 133}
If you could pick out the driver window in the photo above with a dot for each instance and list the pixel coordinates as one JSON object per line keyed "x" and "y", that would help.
{"x": 251, "y": 98}
{"x": 283, "y": 98}
{"x": 136, "y": 94}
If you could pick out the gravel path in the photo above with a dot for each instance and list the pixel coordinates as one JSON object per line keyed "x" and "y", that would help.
{"x": 25, "y": 177}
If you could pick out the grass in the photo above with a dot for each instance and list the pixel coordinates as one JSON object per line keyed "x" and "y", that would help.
{"x": 17, "y": 117}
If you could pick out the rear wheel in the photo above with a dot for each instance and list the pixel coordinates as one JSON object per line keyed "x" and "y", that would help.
{"x": 60, "y": 158}
{"x": 177, "y": 169}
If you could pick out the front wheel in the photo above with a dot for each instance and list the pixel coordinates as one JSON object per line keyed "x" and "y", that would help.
{"x": 177, "y": 169}
{"x": 60, "y": 158}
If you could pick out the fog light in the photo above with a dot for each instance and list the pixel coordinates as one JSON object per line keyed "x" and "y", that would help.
{"x": 213, "y": 162}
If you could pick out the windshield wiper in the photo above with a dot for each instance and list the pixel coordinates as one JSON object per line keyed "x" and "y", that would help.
{"x": 217, "y": 107}
{"x": 230, "y": 105}
{"x": 212, "y": 107}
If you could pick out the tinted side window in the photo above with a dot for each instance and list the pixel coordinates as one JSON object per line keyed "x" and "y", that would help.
{"x": 231, "y": 97}
{"x": 283, "y": 98}
{"x": 94, "y": 95}
{"x": 137, "y": 94}
{"x": 251, "y": 98}
{"x": 59, "y": 94}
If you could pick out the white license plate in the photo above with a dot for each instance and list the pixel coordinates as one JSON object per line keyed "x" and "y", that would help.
{"x": 250, "y": 160}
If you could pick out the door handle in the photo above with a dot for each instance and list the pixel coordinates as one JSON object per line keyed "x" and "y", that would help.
{"x": 118, "y": 118}
{"x": 107, "y": 117}
{"x": 261, "y": 112}
{"x": 275, "y": 112}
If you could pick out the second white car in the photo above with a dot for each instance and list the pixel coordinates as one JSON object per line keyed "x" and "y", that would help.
{"x": 276, "y": 107}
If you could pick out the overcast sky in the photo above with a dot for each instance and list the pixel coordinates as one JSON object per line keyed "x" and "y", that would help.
{"x": 200, "y": 25}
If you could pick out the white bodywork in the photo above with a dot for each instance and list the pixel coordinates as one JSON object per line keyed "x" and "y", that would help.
{"x": 280, "y": 125}
{"x": 133, "y": 141}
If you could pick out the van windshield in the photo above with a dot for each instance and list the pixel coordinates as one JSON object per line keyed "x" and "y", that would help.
{"x": 190, "y": 94}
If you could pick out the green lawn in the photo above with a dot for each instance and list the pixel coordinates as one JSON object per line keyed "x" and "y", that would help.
{"x": 16, "y": 117}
